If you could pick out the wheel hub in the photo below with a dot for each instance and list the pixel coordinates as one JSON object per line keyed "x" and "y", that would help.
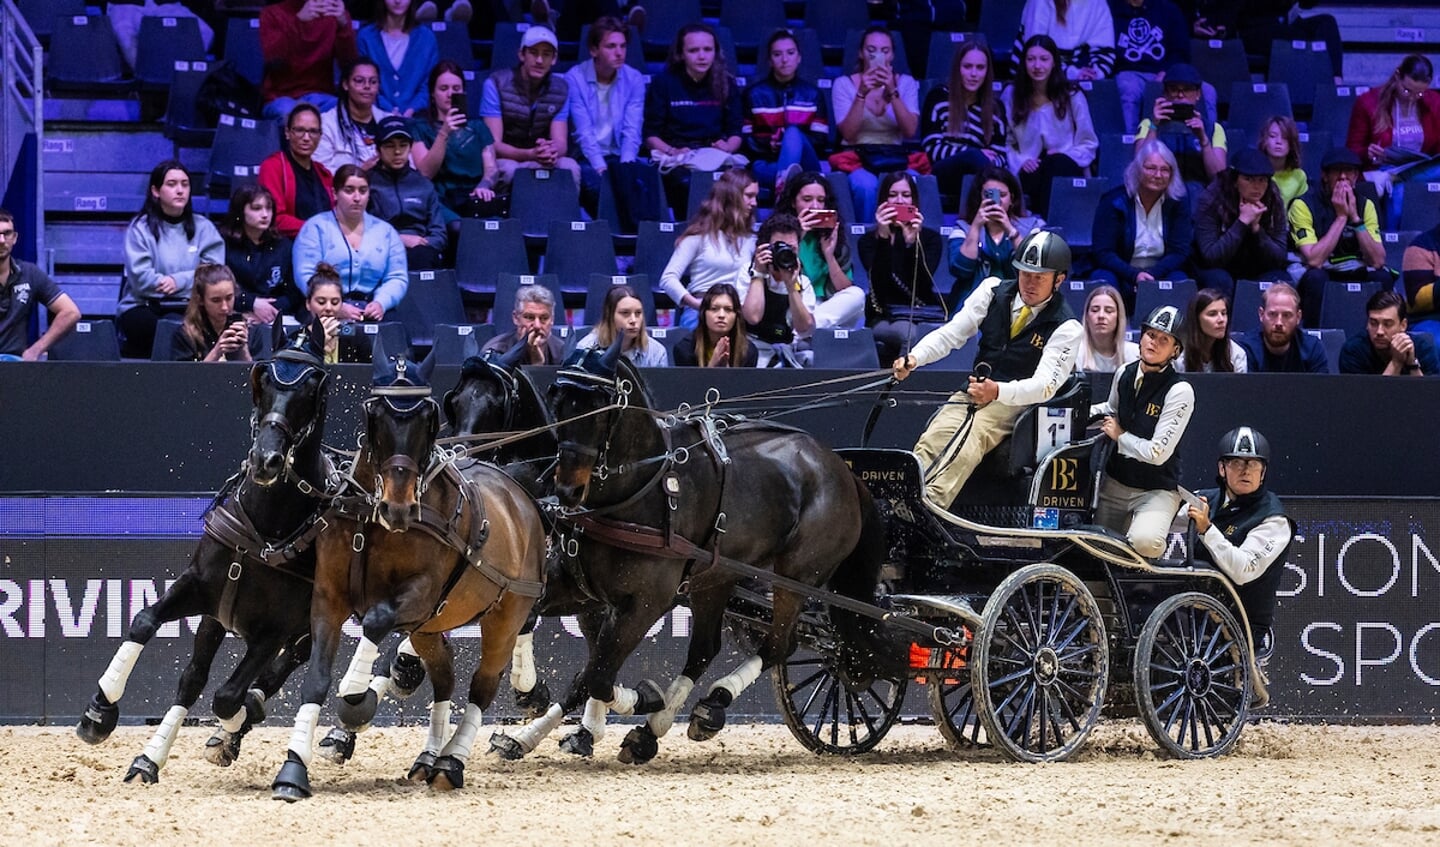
{"x": 1046, "y": 666}
{"x": 1197, "y": 677}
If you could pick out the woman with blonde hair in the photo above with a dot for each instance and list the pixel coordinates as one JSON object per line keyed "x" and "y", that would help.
{"x": 211, "y": 331}
{"x": 1103, "y": 348}
{"x": 1142, "y": 230}
{"x": 624, "y": 315}
{"x": 717, "y": 246}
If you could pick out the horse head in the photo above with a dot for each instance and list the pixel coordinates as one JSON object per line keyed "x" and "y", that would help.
{"x": 588, "y": 392}
{"x": 288, "y": 393}
{"x": 402, "y": 420}
{"x": 487, "y": 395}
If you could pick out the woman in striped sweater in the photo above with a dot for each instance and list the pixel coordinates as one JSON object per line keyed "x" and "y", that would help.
{"x": 964, "y": 122}
{"x": 1083, "y": 29}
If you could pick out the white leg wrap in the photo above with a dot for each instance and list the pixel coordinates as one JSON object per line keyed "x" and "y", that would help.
{"x": 522, "y": 663}
{"x": 380, "y": 685}
{"x": 594, "y": 718}
{"x": 439, "y": 727}
{"x": 112, "y": 682}
{"x": 158, "y": 750}
{"x": 302, "y": 739}
{"x": 362, "y": 668}
{"x": 675, "y": 697}
{"x": 407, "y": 648}
{"x": 624, "y": 700}
{"x": 233, "y": 723}
{"x": 530, "y": 735}
{"x": 464, "y": 737}
{"x": 739, "y": 679}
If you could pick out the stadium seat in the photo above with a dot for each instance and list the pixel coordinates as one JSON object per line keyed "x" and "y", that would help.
{"x": 1313, "y": 146}
{"x": 751, "y": 23}
{"x": 1343, "y": 306}
{"x": 505, "y": 48}
{"x": 1333, "y": 105}
{"x": 653, "y": 247}
{"x": 183, "y": 123}
{"x": 164, "y": 41}
{"x": 240, "y": 143}
{"x": 942, "y": 52}
{"x": 506, "y": 284}
{"x": 1333, "y": 340}
{"x": 1253, "y": 102}
{"x": 929, "y": 201}
{"x": 1103, "y": 98}
{"x": 454, "y": 343}
{"x": 1420, "y": 207}
{"x": 1222, "y": 63}
{"x": 487, "y": 248}
{"x": 812, "y": 61}
{"x": 89, "y": 341}
{"x": 1245, "y": 311}
{"x": 1150, "y": 296}
{"x": 647, "y": 183}
{"x": 1301, "y": 66}
{"x": 453, "y": 41}
{"x": 242, "y": 47}
{"x": 538, "y": 197}
{"x": 845, "y": 349}
{"x": 91, "y": 59}
{"x": 432, "y": 298}
{"x": 999, "y": 23}
{"x": 165, "y": 331}
{"x": 1116, "y": 151}
{"x": 576, "y": 249}
{"x": 859, "y": 274}
{"x": 42, "y": 15}
{"x": 834, "y": 20}
{"x": 844, "y": 199}
{"x": 701, "y": 183}
{"x": 600, "y": 285}
{"x": 850, "y": 56}
{"x": 663, "y": 20}
{"x": 1075, "y": 291}
{"x": 1395, "y": 244}
{"x": 1072, "y": 207}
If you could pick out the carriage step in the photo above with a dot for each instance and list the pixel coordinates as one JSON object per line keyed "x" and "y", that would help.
{"x": 947, "y": 604}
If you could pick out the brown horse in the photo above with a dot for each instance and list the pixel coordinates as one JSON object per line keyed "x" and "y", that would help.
{"x": 420, "y": 548}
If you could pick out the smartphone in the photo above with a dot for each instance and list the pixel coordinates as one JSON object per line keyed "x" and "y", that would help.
{"x": 993, "y": 195}
{"x": 824, "y": 219}
{"x": 905, "y": 214}
{"x": 458, "y": 103}
{"x": 234, "y": 318}
{"x": 1182, "y": 111}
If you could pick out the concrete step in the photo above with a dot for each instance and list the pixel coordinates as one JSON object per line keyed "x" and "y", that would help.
{"x": 96, "y": 294}
{"x": 85, "y": 242}
{"x": 96, "y": 147}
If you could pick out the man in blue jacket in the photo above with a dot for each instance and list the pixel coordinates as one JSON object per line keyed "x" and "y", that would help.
{"x": 1280, "y": 345}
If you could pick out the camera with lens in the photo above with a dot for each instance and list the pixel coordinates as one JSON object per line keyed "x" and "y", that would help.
{"x": 783, "y": 256}
{"x": 347, "y": 328}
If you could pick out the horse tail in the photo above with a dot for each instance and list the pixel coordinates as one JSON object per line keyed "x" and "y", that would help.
{"x": 862, "y": 640}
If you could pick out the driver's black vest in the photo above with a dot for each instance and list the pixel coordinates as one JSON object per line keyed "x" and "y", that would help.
{"x": 1018, "y": 357}
{"x": 1235, "y": 520}
{"x": 1138, "y": 413}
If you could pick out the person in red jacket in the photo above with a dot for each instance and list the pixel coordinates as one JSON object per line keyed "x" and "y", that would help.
{"x": 300, "y": 184}
{"x": 301, "y": 41}
{"x": 1395, "y": 127}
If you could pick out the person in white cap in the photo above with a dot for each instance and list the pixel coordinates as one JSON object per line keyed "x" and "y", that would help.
{"x": 1146, "y": 415}
{"x": 527, "y": 110}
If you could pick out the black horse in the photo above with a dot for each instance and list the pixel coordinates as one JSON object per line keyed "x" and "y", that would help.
{"x": 251, "y": 573}
{"x": 664, "y": 509}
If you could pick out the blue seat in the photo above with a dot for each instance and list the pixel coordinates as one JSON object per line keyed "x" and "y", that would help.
{"x": 540, "y": 196}
{"x": 163, "y": 42}
{"x": 1332, "y": 107}
{"x": 1301, "y": 66}
{"x": 942, "y": 52}
{"x": 845, "y": 349}
{"x": 1223, "y": 63}
{"x": 42, "y": 15}
{"x": 859, "y": 274}
{"x": 833, "y": 20}
{"x": 1333, "y": 340}
{"x": 1116, "y": 152}
{"x": 89, "y": 341}
{"x": 1343, "y": 306}
{"x": 453, "y": 42}
{"x": 91, "y": 59}
{"x": 663, "y": 20}
{"x": 1073, "y": 201}
{"x": 505, "y": 48}
{"x": 506, "y": 284}
{"x": 751, "y": 22}
{"x": 1252, "y": 102}
{"x": 1150, "y": 296}
{"x": 647, "y": 183}
{"x": 929, "y": 201}
{"x": 454, "y": 343}
{"x": 183, "y": 123}
{"x": 653, "y": 246}
{"x": 487, "y": 248}
{"x": 576, "y": 249}
{"x": 1395, "y": 244}
{"x": 600, "y": 285}
{"x": 701, "y": 183}
{"x": 242, "y": 47}
{"x": 844, "y": 199}
{"x": 1103, "y": 98}
{"x": 999, "y": 22}
{"x": 1075, "y": 291}
{"x": 1420, "y": 207}
{"x": 241, "y": 144}
{"x": 1245, "y": 311}
{"x": 432, "y": 298}
{"x": 165, "y": 331}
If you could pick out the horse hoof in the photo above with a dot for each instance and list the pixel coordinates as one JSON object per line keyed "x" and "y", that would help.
{"x": 449, "y": 774}
{"x": 222, "y": 749}
{"x": 534, "y": 702}
{"x": 356, "y": 711}
{"x": 424, "y": 768}
{"x": 293, "y": 781}
{"x": 652, "y": 699}
{"x": 640, "y": 746}
{"x": 706, "y": 719}
{"x": 338, "y": 746}
{"x": 144, "y": 770}
{"x": 98, "y": 721}
{"x": 506, "y": 747}
{"x": 579, "y": 743}
{"x": 406, "y": 674}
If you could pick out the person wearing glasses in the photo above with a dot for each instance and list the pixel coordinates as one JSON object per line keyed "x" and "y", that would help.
{"x": 347, "y": 132}
{"x": 23, "y": 288}
{"x": 1142, "y": 230}
{"x": 301, "y": 186}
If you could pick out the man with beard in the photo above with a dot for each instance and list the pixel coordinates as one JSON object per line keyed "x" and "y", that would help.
{"x": 1385, "y": 348}
{"x": 1280, "y": 345}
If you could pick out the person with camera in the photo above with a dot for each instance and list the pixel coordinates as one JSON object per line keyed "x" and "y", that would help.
{"x": 1028, "y": 338}
{"x": 824, "y": 251}
{"x": 1179, "y": 118}
{"x": 323, "y": 304}
{"x": 983, "y": 246}
{"x": 876, "y": 110}
{"x": 779, "y": 305}
{"x": 902, "y": 256}
{"x": 211, "y": 331}
{"x": 1146, "y": 415}
{"x": 454, "y": 152}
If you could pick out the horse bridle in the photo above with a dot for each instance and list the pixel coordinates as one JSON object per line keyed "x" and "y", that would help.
{"x": 508, "y": 383}
{"x": 617, "y": 390}
{"x": 405, "y": 401}
{"x": 281, "y": 422}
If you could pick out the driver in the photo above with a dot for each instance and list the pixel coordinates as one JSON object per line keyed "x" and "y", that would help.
{"x": 1146, "y": 416}
{"x": 1243, "y": 529}
{"x": 1028, "y": 338}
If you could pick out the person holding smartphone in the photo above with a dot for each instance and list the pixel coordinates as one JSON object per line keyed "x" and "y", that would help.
{"x": 902, "y": 256}
{"x": 877, "y": 110}
{"x": 824, "y": 251}
{"x": 992, "y": 222}
{"x": 454, "y": 152}
{"x": 211, "y": 331}
{"x": 1179, "y": 118}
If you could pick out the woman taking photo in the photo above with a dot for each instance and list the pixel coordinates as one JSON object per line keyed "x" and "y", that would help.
{"x": 624, "y": 315}
{"x": 258, "y": 256}
{"x": 1142, "y": 229}
{"x": 877, "y": 110}
{"x": 211, "y": 330}
{"x": 404, "y": 53}
{"x": 985, "y": 245}
{"x": 347, "y": 132}
{"x": 1206, "y": 332}
{"x": 366, "y": 251}
{"x": 902, "y": 256}
{"x": 342, "y": 342}
{"x": 455, "y": 153}
{"x": 719, "y": 341}
{"x": 299, "y": 184}
{"x": 163, "y": 246}
{"x": 1050, "y": 130}
{"x": 785, "y": 117}
{"x": 963, "y": 124}
{"x": 824, "y": 251}
{"x": 718, "y": 246}
{"x": 1103, "y": 349}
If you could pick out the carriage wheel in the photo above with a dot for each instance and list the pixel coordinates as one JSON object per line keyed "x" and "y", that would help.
{"x": 1040, "y": 665}
{"x": 824, "y": 714}
{"x": 1192, "y": 676}
{"x": 952, "y": 702}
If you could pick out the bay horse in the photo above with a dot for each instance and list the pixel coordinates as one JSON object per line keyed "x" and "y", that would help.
{"x": 659, "y": 509}
{"x": 251, "y": 572}
{"x": 426, "y": 549}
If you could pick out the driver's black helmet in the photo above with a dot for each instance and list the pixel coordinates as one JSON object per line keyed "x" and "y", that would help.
{"x": 1244, "y": 442}
{"x": 1043, "y": 251}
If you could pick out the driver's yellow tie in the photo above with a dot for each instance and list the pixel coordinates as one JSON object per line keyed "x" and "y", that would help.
{"x": 1020, "y": 321}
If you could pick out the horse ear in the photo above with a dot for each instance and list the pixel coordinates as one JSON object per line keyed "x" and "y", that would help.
{"x": 316, "y": 333}
{"x": 469, "y": 347}
{"x": 427, "y": 367}
{"x": 612, "y": 356}
{"x": 277, "y": 333}
{"x": 383, "y": 367}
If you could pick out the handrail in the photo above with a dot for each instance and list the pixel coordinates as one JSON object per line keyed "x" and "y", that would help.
{"x": 24, "y": 108}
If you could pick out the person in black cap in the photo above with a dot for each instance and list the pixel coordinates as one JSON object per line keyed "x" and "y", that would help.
{"x": 1336, "y": 232}
{"x": 1150, "y": 36}
{"x": 1180, "y": 119}
{"x": 1240, "y": 227}
{"x": 404, "y": 198}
